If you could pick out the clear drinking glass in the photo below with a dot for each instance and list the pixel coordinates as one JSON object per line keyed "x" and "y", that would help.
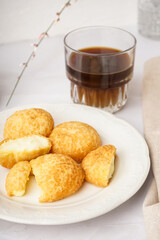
{"x": 99, "y": 63}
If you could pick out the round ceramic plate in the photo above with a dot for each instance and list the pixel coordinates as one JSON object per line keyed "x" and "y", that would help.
{"x": 131, "y": 169}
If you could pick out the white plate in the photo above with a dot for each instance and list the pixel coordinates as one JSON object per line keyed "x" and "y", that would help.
{"x": 132, "y": 167}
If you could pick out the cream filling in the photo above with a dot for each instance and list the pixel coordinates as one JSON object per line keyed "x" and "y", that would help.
{"x": 18, "y": 193}
{"x": 26, "y": 143}
{"x": 111, "y": 170}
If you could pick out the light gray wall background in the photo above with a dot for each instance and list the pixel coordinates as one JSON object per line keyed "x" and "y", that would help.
{"x": 26, "y": 19}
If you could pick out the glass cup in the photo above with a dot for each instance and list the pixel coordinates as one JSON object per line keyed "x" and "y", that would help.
{"x": 99, "y": 63}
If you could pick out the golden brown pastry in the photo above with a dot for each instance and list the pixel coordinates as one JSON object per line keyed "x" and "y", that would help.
{"x": 17, "y": 179}
{"x": 21, "y": 149}
{"x": 99, "y": 165}
{"x": 74, "y": 139}
{"x": 57, "y": 175}
{"x": 28, "y": 122}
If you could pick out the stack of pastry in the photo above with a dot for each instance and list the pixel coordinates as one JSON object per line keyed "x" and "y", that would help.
{"x": 60, "y": 158}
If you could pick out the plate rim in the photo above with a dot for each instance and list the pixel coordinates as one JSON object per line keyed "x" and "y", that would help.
{"x": 70, "y": 221}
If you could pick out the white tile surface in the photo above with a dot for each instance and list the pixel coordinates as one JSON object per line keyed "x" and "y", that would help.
{"x": 45, "y": 81}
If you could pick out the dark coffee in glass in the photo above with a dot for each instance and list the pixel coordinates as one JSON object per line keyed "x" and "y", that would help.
{"x": 99, "y": 75}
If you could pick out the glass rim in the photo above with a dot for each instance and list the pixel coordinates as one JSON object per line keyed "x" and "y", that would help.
{"x": 100, "y": 54}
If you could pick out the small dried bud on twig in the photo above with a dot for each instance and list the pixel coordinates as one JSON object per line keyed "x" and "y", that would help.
{"x": 41, "y": 37}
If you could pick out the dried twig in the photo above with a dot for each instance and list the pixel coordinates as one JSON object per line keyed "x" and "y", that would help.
{"x": 41, "y": 37}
